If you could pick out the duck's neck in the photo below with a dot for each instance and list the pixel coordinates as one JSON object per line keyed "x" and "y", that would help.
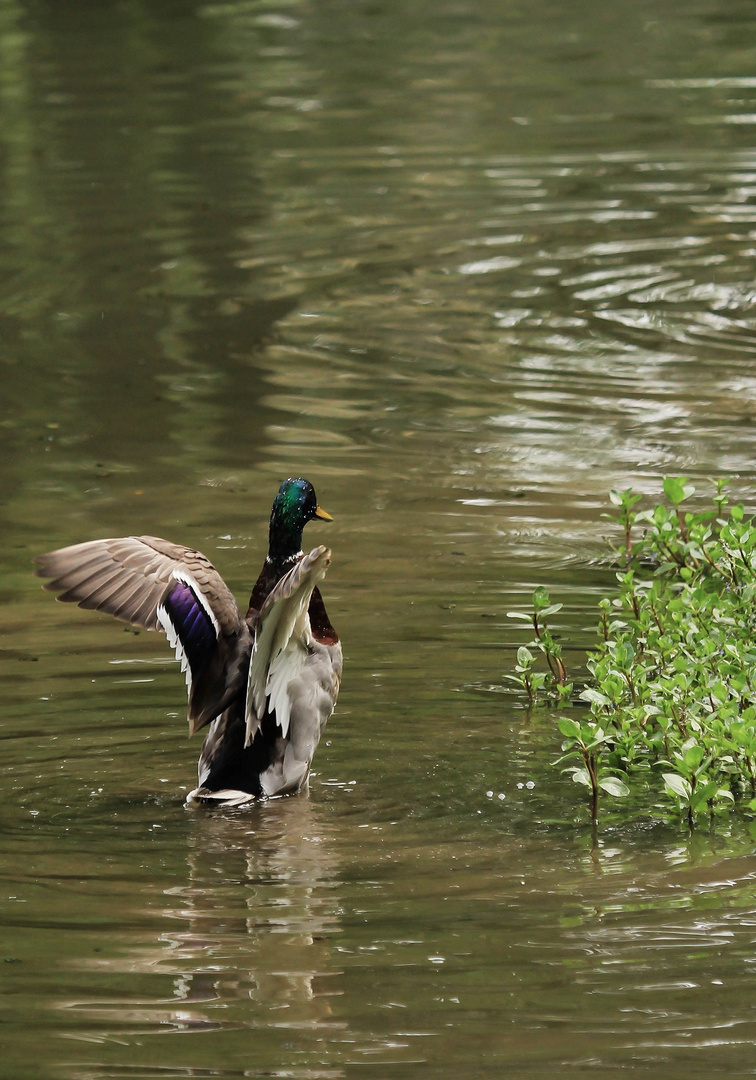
{"x": 284, "y": 541}
{"x": 272, "y": 572}
{"x": 284, "y": 550}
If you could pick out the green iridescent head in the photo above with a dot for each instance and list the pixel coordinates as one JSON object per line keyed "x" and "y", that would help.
{"x": 294, "y": 505}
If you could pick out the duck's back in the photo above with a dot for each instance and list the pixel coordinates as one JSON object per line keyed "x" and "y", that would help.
{"x": 264, "y": 742}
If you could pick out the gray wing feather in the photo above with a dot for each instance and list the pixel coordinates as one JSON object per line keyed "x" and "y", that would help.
{"x": 130, "y": 577}
{"x": 292, "y": 676}
{"x": 127, "y": 577}
{"x": 282, "y": 639}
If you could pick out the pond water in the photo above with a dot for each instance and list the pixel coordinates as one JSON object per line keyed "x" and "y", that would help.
{"x": 467, "y": 265}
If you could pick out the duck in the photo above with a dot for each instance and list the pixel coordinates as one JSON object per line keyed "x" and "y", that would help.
{"x": 265, "y": 682}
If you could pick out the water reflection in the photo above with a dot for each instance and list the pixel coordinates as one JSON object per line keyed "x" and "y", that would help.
{"x": 285, "y": 865}
{"x": 244, "y": 942}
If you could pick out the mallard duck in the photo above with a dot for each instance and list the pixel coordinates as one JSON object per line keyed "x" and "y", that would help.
{"x": 266, "y": 682}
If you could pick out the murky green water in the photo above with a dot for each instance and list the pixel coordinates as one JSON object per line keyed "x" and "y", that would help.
{"x": 466, "y": 266}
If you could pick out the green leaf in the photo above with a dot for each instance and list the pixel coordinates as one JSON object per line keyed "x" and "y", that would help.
{"x": 720, "y": 692}
{"x": 614, "y": 685}
{"x": 594, "y": 697}
{"x": 612, "y": 785}
{"x": 678, "y": 489}
{"x": 569, "y": 728}
{"x": 625, "y": 498}
{"x": 581, "y": 776}
{"x": 624, "y": 654}
{"x": 520, "y": 615}
{"x": 524, "y": 657}
{"x": 693, "y": 757}
{"x": 673, "y": 489}
{"x": 677, "y": 785}
{"x": 540, "y": 598}
{"x": 703, "y": 794}
{"x": 550, "y": 610}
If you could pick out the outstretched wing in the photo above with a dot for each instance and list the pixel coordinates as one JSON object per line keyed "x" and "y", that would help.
{"x": 149, "y": 582}
{"x": 284, "y": 650}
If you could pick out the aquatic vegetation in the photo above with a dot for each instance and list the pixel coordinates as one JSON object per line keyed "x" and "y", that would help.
{"x": 671, "y": 682}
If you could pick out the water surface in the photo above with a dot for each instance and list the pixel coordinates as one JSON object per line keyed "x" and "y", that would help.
{"x": 467, "y": 266}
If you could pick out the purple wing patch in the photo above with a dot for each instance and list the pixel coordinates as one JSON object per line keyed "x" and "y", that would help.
{"x": 189, "y": 624}
{"x": 192, "y": 623}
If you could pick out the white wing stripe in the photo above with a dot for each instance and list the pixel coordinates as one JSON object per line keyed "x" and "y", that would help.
{"x": 171, "y": 632}
{"x": 174, "y": 641}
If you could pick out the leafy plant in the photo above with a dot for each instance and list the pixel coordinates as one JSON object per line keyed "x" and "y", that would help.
{"x": 554, "y": 684}
{"x": 671, "y": 688}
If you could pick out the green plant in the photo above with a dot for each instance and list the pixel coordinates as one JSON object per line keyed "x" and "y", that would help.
{"x": 671, "y": 687}
{"x": 553, "y": 684}
{"x": 585, "y": 741}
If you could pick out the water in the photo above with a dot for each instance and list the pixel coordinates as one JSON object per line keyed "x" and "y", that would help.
{"x": 467, "y": 266}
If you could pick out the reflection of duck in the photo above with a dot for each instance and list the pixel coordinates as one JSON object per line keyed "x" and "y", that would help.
{"x": 286, "y": 870}
{"x": 266, "y": 682}
{"x": 238, "y": 926}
